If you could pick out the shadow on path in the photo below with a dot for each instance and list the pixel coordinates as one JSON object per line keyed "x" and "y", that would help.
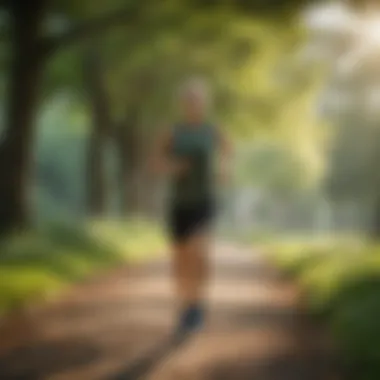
{"x": 146, "y": 363}
{"x": 296, "y": 366}
{"x": 39, "y": 360}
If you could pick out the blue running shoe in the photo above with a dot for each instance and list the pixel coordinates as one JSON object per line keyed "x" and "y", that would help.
{"x": 190, "y": 321}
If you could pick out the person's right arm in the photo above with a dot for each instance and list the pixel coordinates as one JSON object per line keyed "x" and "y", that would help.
{"x": 161, "y": 162}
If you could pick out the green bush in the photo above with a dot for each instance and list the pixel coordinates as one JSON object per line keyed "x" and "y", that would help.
{"x": 37, "y": 265}
{"x": 356, "y": 328}
{"x": 342, "y": 286}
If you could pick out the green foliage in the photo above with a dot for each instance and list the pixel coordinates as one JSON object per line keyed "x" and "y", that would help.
{"x": 274, "y": 168}
{"x": 240, "y": 55}
{"x": 64, "y": 72}
{"x": 353, "y": 160}
{"x": 246, "y": 56}
{"x": 342, "y": 284}
{"x": 355, "y": 326}
{"x": 41, "y": 264}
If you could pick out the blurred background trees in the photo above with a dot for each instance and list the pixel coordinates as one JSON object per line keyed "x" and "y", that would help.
{"x": 86, "y": 86}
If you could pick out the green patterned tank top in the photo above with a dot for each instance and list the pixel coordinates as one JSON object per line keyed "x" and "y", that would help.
{"x": 196, "y": 145}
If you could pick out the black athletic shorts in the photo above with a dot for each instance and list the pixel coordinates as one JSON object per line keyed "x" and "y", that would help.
{"x": 184, "y": 221}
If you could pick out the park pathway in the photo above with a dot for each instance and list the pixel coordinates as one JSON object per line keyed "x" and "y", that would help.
{"x": 117, "y": 327}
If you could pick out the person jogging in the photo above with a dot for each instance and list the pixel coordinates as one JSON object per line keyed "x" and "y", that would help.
{"x": 193, "y": 153}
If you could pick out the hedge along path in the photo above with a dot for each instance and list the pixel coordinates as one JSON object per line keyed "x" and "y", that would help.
{"x": 117, "y": 327}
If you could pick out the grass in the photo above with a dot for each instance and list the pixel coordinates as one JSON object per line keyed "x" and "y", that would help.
{"x": 341, "y": 280}
{"x": 38, "y": 265}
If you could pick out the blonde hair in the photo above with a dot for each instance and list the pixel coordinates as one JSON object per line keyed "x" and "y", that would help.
{"x": 196, "y": 87}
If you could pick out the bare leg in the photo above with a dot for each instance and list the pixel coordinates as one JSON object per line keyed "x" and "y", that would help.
{"x": 191, "y": 268}
{"x": 200, "y": 247}
{"x": 181, "y": 258}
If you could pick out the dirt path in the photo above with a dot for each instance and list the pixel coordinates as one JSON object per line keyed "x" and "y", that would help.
{"x": 117, "y": 328}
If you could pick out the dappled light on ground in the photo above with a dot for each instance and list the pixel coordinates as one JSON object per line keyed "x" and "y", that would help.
{"x": 120, "y": 327}
{"x": 37, "y": 266}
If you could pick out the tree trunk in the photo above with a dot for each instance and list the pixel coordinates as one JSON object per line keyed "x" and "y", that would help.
{"x": 129, "y": 152}
{"x": 101, "y": 123}
{"x": 24, "y": 81}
